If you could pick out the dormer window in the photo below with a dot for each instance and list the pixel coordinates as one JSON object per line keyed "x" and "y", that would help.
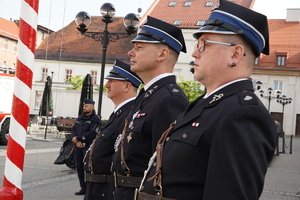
{"x": 177, "y": 22}
{"x": 172, "y": 3}
{"x": 187, "y": 4}
{"x": 281, "y": 60}
{"x": 209, "y": 4}
{"x": 281, "y": 57}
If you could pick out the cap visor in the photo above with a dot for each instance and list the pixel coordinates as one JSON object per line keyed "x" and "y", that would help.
{"x": 146, "y": 39}
{"x": 212, "y": 29}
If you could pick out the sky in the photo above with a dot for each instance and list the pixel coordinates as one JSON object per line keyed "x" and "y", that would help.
{"x": 55, "y": 14}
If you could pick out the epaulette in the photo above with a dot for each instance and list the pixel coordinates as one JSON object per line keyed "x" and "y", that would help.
{"x": 174, "y": 89}
{"x": 248, "y": 98}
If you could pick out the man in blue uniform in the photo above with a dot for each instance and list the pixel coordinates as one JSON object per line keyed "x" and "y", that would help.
{"x": 83, "y": 133}
{"x": 220, "y": 147}
{"x": 155, "y": 52}
{"x": 122, "y": 87}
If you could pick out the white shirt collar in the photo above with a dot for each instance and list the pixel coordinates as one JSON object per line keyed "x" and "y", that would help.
{"x": 123, "y": 103}
{"x": 222, "y": 86}
{"x": 157, "y": 78}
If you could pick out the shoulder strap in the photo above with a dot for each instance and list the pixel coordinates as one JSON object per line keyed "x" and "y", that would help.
{"x": 123, "y": 162}
{"x": 157, "y": 177}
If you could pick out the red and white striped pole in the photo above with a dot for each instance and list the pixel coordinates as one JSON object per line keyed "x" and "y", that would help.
{"x": 15, "y": 153}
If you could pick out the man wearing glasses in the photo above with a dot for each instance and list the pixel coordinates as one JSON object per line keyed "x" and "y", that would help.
{"x": 220, "y": 147}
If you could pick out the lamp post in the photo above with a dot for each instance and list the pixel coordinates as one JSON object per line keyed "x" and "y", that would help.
{"x": 269, "y": 96}
{"x": 83, "y": 19}
{"x": 283, "y": 100}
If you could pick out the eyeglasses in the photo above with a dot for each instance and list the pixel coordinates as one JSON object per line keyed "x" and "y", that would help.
{"x": 200, "y": 46}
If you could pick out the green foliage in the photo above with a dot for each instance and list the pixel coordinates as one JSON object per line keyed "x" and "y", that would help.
{"x": 76, "y": 82}
{"x": 98, "y": 88}
{"x": 190, "y": 88}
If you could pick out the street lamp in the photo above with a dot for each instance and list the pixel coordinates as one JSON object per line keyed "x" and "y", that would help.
{"x": 83, "y": 19}
{"x": 283, "y": 100}
{"x": 269, "y": 96}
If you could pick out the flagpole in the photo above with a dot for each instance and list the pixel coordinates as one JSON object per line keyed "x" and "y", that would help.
{"x": 15, "y": 152}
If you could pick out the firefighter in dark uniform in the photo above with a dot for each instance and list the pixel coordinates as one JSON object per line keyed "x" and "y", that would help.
{"x": 220, "y": 147}
{"x": 155, "y": 52}
{"x": 83, "y": 133}
{"x": 122, "y": 88}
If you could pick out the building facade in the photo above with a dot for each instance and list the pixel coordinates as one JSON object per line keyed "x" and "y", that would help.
{"x": 8, "y": 46}
{"x": 67, "y": 54}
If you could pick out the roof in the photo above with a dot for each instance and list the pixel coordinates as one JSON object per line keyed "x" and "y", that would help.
{"x": 9, "y": 29}
{"x": 76, "y": 47}
{"x": 39, "y": 27}
{"x": 161, "y": 9}
{"x": 284, "y": 40}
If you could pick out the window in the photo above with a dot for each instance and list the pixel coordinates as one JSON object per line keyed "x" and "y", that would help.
{"x": 4, "y": 67}
{"x": 38, "y": 99}
{"x": 14, "y": 47}
{"x": 177, "y": 22}
{"x": 281, "y": 60}
{"x": 209, "y": 4}
{"x": 94, "y": 77}
{"x": 278, "y": 86}
{"x": 187, "y": 4}
{"x": 5, "y": 44}
{"x": 68, "y": 74}
{"x": 172, "y": 3}
{"x": 233, "y": 1}
{"x": 13, "y": 68}
{"x": 200, "y": 23}
{"x": 44, "y": 74}
{"x": 256, "y": 62}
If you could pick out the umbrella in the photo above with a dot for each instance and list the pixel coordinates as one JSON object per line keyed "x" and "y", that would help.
{"x": 46, "y": 108}
{"x": 86, "y": 91}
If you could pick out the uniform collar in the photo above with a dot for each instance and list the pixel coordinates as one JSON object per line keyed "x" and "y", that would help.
{"x": 157, "y": 78}
{"x": 123, "y": 103}
{"x": 222, "y": 86}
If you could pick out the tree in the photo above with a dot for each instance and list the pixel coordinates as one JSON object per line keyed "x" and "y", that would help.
{"x": 192, "y": 89}
{"x": 76, "y": 82}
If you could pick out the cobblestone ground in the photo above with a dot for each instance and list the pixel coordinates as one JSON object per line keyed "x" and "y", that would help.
{"x": 283, "y": 176}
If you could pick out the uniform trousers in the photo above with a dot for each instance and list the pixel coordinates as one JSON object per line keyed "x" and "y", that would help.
{"x": 79, "y": 154}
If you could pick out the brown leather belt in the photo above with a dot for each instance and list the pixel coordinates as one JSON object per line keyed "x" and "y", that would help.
{"x": 97, "y": 178}
{"x": 128, "y": 181}
{"x": 145, "y": 196}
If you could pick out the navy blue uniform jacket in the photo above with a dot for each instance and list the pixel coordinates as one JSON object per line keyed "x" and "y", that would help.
{"x": 151, "y": 115}
{"x": 103, "y": 150}
{"x": 219, "y": 149}
{"x": 87, "y": 126}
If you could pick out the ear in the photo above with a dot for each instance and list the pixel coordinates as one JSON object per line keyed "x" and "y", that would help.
{"x": 163, "y": 54}
{"x": 127, "y": 87}
{"x": 237, "y": 54}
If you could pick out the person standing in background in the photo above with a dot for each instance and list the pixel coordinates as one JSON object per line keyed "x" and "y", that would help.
{"x": 83, "y": 133}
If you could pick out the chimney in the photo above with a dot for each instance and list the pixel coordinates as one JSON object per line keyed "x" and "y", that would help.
{"x": 293, "y": 15}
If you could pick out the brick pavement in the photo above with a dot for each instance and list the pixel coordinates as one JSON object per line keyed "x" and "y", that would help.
{"x": 283, "y": 176}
